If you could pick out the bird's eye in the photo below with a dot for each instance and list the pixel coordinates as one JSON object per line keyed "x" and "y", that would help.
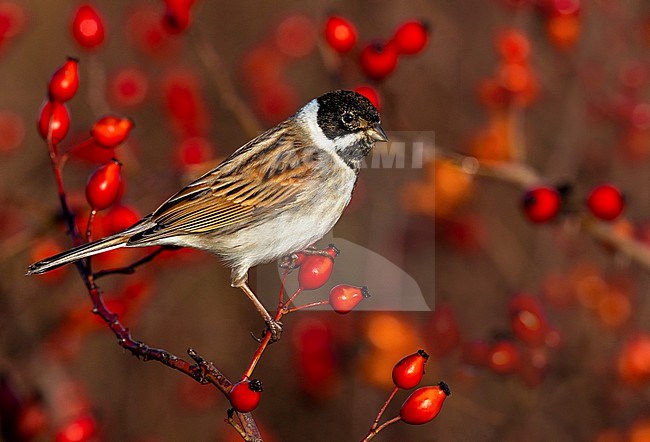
{"x": 347, "y": 118}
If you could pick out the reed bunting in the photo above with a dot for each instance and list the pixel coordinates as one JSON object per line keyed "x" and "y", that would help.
{"x": 274, "y": 196}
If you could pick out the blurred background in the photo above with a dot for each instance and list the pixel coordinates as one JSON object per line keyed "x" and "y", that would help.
{"x": 539, "y": 329}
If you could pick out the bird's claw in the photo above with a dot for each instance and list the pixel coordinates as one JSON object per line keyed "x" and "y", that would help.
{"x": 274, "y": 327}
{"x": 289, "y": 262}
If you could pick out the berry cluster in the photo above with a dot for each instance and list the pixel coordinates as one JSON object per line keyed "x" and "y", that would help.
{"x": 525, "y": 350}
{"x": 314, "y": 270}
{"x": 105, "y": 184}
{"x": 542, "y": 204}
{"x": 422, "y": 405}
{"x": 514, "y": 81}
{"x": 129, "y": 86}
{"x": 378, "y": 59}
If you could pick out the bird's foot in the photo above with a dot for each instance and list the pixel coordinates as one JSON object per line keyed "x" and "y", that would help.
{"x": 289, "y": 262}
{"x": 294, "y": 260}
{"x": 272, "y": 326}
{"x": 313, "y": 250}
{"x": 275, "y": 328}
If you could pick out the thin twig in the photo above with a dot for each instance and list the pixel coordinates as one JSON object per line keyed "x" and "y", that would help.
{"x": 130, "y": 269}
{"x": 89, "y": 225}
{"x": 373, "y": 432}
{"x": 310, "y": 305}
{"x": 201, "y": 371}
{"x": 383, "y": 408}
{"x": 224, "y": 86}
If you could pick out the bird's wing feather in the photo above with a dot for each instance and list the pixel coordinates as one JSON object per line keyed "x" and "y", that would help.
{"x": 268, "y": 174}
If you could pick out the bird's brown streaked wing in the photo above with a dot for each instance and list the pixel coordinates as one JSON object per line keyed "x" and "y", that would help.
{"x": 267, "y": 178}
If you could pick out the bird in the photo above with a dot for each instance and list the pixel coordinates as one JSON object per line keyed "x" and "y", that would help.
{"x": 276, "y": 195}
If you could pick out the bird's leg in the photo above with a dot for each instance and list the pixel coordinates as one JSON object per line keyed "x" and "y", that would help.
{"x": 275, "y": 327}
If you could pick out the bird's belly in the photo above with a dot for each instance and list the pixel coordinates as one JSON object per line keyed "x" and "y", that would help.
{"x": 289, "y": 231}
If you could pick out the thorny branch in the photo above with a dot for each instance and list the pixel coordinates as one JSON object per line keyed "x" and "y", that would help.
{"x": 201, "y": 370}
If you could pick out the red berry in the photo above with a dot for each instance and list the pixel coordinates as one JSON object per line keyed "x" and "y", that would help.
{"x": 513, "y": 46}
{"x": 504, "y": 357}
{"x": 340, "y": 34}
{"x": 54, "y": 121}
{"x": 177, "y": 15}
{"x": 245, "y": 395}
{"x": 332, "y": 251}
{"x": 344, "y": 298}
{"x": 119, "y": 218}
{"x": 560, "y": 7}
{"x": 378, "y": 60}
{"x": 88, "y": 27}
{"x": 314, "y": 271}
{"x": 81, "y": 429}
{"x": 65, "y": 81}
{"x": 633, "y": 360}
{"x": 606, "y": 202}
{"x": 316, "y": 359}
{"x": 104, "y": 185}
{"x": 295, "y": 36}
{"x": 32, "y": 421}
{"x": 371, "y": 94}
{"x": 516, "y": 78}
{"x": 408, "y": 372}
{"x": 129, "y": 87}
{"x": 184, "y": 103}
{"x": 424, "y": 404}
{"x": 12, "y": 20}
{"x": 527, "y": 319}
{"x": 411, "y": 37}
{"x": 541, "y": 204}
{"x": 109, "y": 131}
{"x": 195, "y": 150}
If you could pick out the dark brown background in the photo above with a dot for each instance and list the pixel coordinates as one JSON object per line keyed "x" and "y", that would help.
{"x": 194, "y": 305}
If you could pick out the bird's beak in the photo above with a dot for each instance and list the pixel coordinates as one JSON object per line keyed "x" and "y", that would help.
{"x": 377, "y": 133}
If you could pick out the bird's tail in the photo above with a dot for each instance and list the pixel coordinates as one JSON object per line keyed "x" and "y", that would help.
{"x": 79, "y": 252}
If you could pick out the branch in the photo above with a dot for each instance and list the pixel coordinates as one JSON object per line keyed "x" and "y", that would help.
{"x": 130, "y": 269}
{"x": 202, "y": 371}
{"x": 373, "y": 432}
{"x": 522, "y": 176}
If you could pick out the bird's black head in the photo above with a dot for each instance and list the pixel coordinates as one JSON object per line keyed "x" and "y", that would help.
{"x": 342, "y": 113}
{"x": 351, "y": 121}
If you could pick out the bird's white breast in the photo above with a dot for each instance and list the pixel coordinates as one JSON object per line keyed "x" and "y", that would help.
{"x": 320, "y": 206}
